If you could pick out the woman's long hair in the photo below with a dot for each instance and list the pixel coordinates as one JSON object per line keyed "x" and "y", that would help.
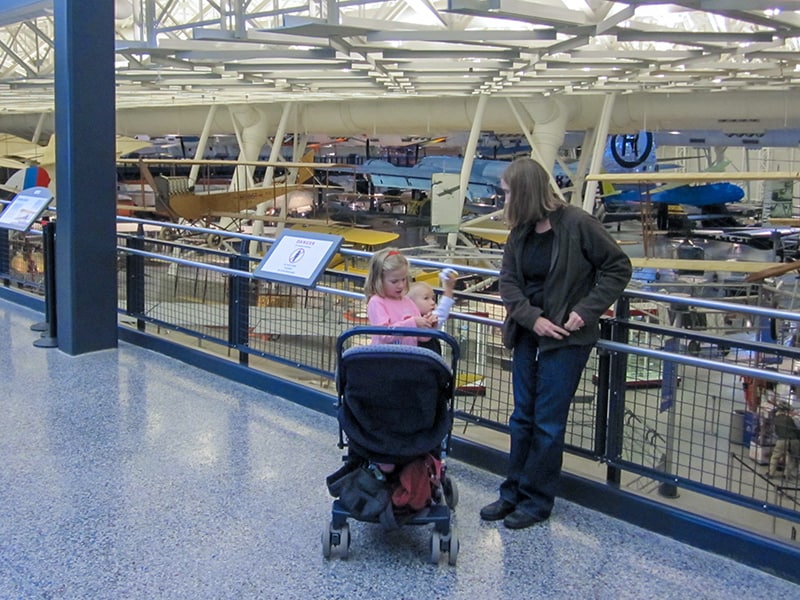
{"x": 531, "y": 198}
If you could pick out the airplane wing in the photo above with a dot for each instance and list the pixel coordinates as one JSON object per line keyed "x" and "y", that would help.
{"x": 487, "y": 227}
{"x": 386, "y": 175}
{"x": 773, "y": 271}
{"x": 46, "y": 155}
{"x": 38, "y": 154}
{"x": 126, "y": 145}
{"x": 402, "y": 182}
{"x": 352, "y": 235}
{"x": 383, "y": 174}
{"x": 11, "y": 145}
{"x": 10, "y": 163}
{"x": 191, "y": 206}
{"x": 732, "y": 266}
{"x": 762, "y": 238}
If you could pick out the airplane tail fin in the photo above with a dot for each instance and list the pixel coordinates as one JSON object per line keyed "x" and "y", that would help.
{"x": 306, "y": 174}
{"x": 49, "y": 154}
{"x": 27, "y": 178}
{"x": 607, "y": 189}
{"x": 718, "y": 166}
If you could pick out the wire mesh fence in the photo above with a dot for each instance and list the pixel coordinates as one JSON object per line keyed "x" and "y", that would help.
{"x": 695, "y": 407}
{"x": 22, "y": 259}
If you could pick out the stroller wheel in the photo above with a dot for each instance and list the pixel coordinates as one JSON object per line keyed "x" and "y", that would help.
{"x": 450, "y": 492}
{"x": 455, "y": 546}
{"x": 344, "y": 541}
{"x": 336, "y": 539}
{"x": 436, "y": 552}
{"x": 326, "y": 542}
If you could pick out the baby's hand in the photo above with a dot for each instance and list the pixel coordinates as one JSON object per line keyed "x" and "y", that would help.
{"x": 422, "y": 322}
{"x": 448, "y": 278}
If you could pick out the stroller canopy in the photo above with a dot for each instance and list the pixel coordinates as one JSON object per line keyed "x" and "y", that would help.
{"x": 394, "y": 400}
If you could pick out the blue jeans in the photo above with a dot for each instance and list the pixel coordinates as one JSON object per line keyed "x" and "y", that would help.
{"x": 544, "y": 384}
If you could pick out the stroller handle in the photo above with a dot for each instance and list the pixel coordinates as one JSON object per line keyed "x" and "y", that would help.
{"x": 401, "y": 332}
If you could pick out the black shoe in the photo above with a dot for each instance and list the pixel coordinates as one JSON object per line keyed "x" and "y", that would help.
{"x": 496, "y": 510}
{"x": 521, "y": 520}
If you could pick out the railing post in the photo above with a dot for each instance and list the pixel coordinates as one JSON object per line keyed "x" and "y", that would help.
{"x": 5, "y": 257}
{"x": 616, "y": 376}
{"x": 49, "y": 338}
{"x": 239, "y": 305}
{"x": 134, "y": 279}
{"x": 669, "y": 391}
{"x": 603, "y": 390}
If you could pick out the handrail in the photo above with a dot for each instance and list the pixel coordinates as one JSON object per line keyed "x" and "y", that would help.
{"x": 714, "y": 305}
{"x": 668, "y": 177}
{"x": 684, "y": 359}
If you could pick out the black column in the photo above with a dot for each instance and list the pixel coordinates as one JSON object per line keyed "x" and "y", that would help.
{"x": 85, "y": 177}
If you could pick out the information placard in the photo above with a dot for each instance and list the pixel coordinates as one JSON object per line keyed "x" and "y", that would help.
{"x": 25, "y": 208}
{"x": 298, "y": 258}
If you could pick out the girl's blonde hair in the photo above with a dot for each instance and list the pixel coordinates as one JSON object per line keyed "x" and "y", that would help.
{"x": 383, "y": 261}
{"x": 531, "y": 197}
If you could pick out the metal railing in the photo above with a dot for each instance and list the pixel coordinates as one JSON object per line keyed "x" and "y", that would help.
{"x": 676, "y": 402}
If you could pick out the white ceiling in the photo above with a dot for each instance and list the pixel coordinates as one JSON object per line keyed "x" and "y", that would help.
{"x": 192, "y": 52}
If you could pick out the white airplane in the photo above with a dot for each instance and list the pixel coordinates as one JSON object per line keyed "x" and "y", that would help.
{"x": 36, "y": 164}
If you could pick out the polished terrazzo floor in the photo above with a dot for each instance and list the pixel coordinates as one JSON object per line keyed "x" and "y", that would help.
{"x": 125, "y": 474}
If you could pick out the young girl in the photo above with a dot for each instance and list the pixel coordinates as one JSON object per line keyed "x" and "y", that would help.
{"x": 389, "y": 306}
{"x": 387, "y": 303}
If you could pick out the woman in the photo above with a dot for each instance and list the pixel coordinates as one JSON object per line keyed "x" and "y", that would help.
{"x": 561, "y": 271}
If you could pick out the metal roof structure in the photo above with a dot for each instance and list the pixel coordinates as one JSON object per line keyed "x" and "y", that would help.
{"x": 190, "y": 52}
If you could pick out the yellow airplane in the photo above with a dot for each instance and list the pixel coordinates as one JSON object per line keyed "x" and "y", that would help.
{"x": 234, "y": 205}
{"x": 181, "y": 202}
{"x": 368, "y": 239}
{"x": 360, "y": 238}
{"x": 489, "y": 227}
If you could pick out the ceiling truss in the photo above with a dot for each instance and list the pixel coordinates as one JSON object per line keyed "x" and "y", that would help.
{"x": 191, "y": 52}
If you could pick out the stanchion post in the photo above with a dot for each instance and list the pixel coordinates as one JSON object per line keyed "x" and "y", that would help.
{"x": 134, "y": 279}
{"x": 49, "y": 337}
{"x": 5, "y": 257}
{"x": 670, "y": 382}
{"x": 239, "y": 305}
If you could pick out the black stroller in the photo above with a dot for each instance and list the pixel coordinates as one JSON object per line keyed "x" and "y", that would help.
{"x": 395, "y": 413}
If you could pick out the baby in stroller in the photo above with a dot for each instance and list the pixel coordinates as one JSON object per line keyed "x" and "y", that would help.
{"x": 395, "y": 407}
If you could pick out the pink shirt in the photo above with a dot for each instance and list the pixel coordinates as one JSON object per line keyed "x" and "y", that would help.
{"x": 387, "y": 312}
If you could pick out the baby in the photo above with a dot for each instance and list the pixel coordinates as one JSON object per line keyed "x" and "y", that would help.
{"x": 423, "y": 296}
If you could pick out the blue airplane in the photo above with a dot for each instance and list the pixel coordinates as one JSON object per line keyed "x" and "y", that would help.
{"x": 711, "y": 199}
{"x": 623, "y": 154}
{"x": 708, "y": 194}
{"x": 484, "y": 180}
